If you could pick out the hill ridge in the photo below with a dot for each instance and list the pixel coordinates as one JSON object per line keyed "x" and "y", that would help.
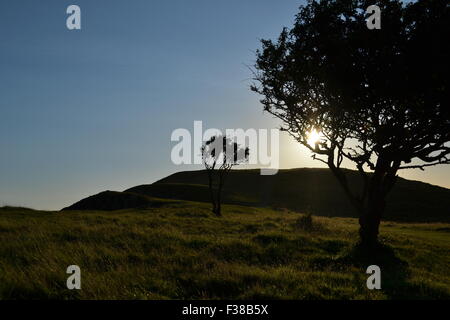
{"x": 312, "y": 190}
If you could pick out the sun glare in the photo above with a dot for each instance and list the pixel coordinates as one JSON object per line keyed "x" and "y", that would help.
{"x": 313, "y": 137}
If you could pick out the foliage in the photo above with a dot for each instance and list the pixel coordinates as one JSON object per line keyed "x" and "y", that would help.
{"x": 378, "y": 97}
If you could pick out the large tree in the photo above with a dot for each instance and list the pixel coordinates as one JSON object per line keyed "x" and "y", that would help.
{"x": 378, "y": 98}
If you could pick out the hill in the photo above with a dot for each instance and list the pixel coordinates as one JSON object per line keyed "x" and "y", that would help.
{"x": 316, "y": 190}
{"x": 304, "y": 190}
{"x": 191, "y": 192}
{"x": 113, "y": 200}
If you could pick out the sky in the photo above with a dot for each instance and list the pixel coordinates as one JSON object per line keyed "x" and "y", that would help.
{"x": 83, "y": 111}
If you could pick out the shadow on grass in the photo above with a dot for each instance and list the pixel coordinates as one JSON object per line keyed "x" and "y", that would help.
{"x": 395, "y": 273}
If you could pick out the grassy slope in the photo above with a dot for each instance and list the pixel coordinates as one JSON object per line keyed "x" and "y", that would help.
{"x": 316, "y": 190}
{"x": 180, "y": 251}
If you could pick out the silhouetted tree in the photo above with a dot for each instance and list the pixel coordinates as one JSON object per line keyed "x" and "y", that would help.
{"x": 378, "y": 97}
{"x": 220, "y": 154}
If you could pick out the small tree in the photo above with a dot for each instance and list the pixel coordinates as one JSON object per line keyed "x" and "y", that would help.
{"x": 220, "y": 154}
{"x": 377, "y": 98}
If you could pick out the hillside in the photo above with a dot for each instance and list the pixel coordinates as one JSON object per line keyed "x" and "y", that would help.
{"x": 302, "y": 190}
{"x": 179, "y": 250}
{"x": 113, "y": 200}
{"x": 317, "y": 191}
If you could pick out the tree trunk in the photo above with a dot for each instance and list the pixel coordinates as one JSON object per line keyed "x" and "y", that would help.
{"x": 211, "y": 191}
{"x": 219, "y": 197}
{"x": 218, "y": 209}
{"x": 371, "y": 204}
{"x": 369, "y": 222}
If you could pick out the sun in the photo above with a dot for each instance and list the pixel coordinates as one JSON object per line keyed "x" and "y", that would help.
{"x": 313, "y": 137}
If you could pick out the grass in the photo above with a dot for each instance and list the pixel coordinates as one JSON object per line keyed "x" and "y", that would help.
{"x": 181, "y": 251}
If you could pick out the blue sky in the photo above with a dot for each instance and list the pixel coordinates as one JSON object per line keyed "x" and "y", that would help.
{"x": 89, "y": 110}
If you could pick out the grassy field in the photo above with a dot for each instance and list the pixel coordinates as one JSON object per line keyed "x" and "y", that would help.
{"x": 180, "y": 251}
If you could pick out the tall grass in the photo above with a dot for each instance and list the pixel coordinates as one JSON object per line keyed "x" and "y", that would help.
{"x": 180, "y": 251}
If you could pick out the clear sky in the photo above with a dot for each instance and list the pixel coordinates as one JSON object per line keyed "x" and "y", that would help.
{"x": 93, "y": 109}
